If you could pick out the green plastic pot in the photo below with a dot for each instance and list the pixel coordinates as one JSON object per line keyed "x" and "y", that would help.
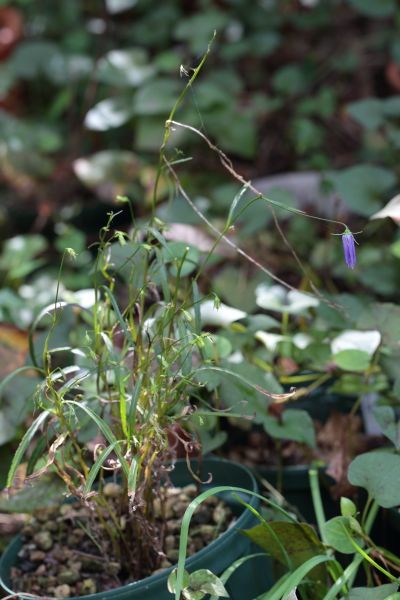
{"x": 250, "y": 580}
{"x": 293, "y": 482}
{"x": 321, "y": 403}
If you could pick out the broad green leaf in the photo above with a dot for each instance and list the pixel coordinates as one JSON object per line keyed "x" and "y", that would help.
{"x": 336, "y": 532}
{"x": 379, "y": 473}
{"x": 32, "y": 58}
{"x": 209, "y": 441}
{"x": 205, "y": 581}
{"x": 109, "y": 114}
{"x": 183, "y": 258}
{"x": 148, "y": 134}
{"x": 289, "y": 80}
{"x": 390, "y": 426}
{"x": 240, "y": 140}
{"x": 216, "y": 347}
{"x": 384, "y": 317}
{"x": 198, "y": 28}
{"x": 294, "y": 424}
{"x": 124, "y": 67}
{"x": 110, "y": 172}
{"x": 7, "y": 429}
{"x": 347, "y": 507}
{"x": 306, "y": 135}
{"x": 21, "y": 249}
{"x": 374, "y": 8}
{"x": 383, "y": 592}
{"x": 363, "y": 187}
{"x": 234, "y": 286}
{"x": 352, "y": 360}
{"x": 367, "y": 112}
{"x": 298, "y": 539}
{"x": 47, "y": 490}
{"x": 171, "y": 583}
{"x": 156, "y": 97}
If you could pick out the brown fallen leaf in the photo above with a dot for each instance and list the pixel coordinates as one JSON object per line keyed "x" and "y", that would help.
{"x": 13, "y": 348}
{"x": 340, "y": 440}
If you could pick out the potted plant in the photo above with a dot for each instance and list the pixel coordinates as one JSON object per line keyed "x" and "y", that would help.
{"x": 110, "y": 411}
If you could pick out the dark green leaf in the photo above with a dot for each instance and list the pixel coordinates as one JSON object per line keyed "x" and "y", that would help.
{"x": 352, "y": 360}
{"x": 379, "y": 474}
{"x": 363, "y": 187}
{"x": 375, "y": 8}
{"x": 337, "y": 531}
{"x": 294, "y": 424}
{"x": 45, "y": 491}
{"x": 382, "y": 592}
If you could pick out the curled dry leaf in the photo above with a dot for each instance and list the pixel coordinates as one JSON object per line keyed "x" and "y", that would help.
{"x": 51, "y": 456}
{"x": 278, "y": 398}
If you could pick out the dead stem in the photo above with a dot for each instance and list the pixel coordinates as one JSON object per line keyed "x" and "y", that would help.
{"x": 227, "y": 164}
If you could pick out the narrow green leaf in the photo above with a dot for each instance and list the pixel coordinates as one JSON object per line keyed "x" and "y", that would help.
{"x": 11, "y": 376}
{"x": 97, "y": 465}
{"x": 196, "y": 307}
{"x": 184, "y": 533}
{"x": 133, "y": 473}
{"x": 26, "y": 440}
{"x": 133, "y": 404}
{"x": 106, "y": 431}
{"x": 118, "y": 314}
{"x": 234, "y": 204}
{"x": 234, "y": 566}
{"x": 290, "y": 581}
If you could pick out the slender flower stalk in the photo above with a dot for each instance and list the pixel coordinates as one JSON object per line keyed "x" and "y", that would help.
{"x": 349, "y": 248}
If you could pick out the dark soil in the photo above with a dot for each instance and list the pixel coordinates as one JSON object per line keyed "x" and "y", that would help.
{"x": 61, "y": 556}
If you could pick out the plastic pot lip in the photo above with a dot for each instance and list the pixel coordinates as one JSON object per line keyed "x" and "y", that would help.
{"x": 154, "y": 579}
{"x": 295, "y": 469}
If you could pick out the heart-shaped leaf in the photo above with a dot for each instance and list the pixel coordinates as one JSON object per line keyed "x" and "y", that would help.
{"x": 379, "y": 473}
{"x": 362, "y": 187}
{"x": 352, "y": 360}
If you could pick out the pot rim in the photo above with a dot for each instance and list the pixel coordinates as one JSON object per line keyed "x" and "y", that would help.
{"x": 153, "y": 579}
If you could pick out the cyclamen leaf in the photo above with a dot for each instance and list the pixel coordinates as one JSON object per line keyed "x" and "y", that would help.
{"x": 383, "y": 592}
{"x": 379, "y": 473}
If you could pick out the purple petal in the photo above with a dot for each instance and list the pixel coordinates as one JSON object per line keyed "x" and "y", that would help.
{"x": 349, "y": 248}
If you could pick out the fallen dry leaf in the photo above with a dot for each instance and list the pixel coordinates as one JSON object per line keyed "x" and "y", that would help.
{"x": 13, "y": 348}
